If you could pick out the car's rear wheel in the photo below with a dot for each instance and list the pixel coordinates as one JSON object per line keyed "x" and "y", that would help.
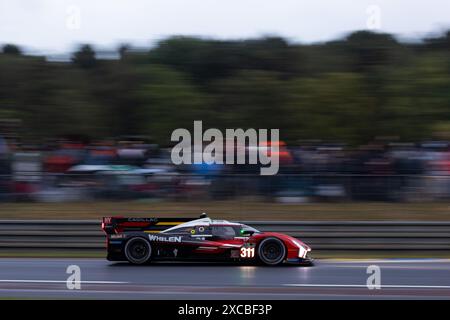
{"x": 138, "y": 251}
{"x": 272, "y": 251}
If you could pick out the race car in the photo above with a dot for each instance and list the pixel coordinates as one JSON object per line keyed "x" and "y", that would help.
{"x": 143, "y": 240}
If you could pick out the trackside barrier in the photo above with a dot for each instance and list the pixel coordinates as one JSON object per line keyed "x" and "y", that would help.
{"x": 320, "y": 235}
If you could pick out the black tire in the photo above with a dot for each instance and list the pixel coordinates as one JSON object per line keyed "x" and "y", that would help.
{"x": 271, "y": 251}
{"x": 138, "y": 250}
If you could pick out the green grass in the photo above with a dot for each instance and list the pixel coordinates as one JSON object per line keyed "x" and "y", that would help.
{"x": 244, "y": 209}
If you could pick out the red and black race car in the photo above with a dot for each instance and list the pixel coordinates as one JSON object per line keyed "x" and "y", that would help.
{"x": 142, "y": 240}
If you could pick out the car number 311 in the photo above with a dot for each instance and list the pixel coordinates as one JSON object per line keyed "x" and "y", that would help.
{"x": 247, "y": 252}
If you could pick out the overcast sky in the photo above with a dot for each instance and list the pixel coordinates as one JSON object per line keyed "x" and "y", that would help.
{"x": 53, "y": 26}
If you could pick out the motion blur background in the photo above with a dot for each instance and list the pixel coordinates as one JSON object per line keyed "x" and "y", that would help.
{"x": 364, "y": 117}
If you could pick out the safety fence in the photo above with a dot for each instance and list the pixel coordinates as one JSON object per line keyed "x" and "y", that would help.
{"x": 175, "y": 186}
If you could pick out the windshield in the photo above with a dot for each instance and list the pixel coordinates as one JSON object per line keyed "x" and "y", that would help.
{"x": 246, "y": 227}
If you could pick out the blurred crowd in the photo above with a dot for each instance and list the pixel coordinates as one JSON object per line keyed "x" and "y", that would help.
{"x": 129, "y": 168}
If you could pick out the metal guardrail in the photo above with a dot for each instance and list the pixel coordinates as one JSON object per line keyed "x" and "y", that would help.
{"x": 320, "y": 235}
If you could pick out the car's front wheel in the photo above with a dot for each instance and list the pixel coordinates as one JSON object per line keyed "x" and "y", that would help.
{"x": 138, "y": 251}
{"x": 272, "y": 251}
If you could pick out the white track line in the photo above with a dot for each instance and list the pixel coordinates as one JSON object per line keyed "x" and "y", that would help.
{"x": 365, "y": 286}
{"x": 356, "y": 261}
{"x": 287, "y": 284}
{"x": 60, "y": 281}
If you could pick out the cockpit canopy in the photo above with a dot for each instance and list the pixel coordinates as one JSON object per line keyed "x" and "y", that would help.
{"x": 206, "y": 227}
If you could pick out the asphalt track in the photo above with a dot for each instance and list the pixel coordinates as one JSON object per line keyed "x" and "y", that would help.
{"x": 328, "y": 279}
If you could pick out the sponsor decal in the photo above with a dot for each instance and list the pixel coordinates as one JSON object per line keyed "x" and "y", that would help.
{"x": 234, "y": 254}
{"x": 153, "y": 237}
{"x": 117, "y": 236}
{"x": 142, "y": 219}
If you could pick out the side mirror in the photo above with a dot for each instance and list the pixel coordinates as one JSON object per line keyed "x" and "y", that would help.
{"x": 247, "y": 232}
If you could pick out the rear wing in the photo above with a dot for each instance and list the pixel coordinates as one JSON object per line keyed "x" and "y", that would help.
{"x": 115, "y": 225}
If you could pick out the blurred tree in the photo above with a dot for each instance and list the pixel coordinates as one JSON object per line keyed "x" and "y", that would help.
{"x": 85, "y": 57}
{"x": 417, "y": 97}
{"x": 369, "y": 49}
{"x": 167, "y": 102}
{"x": 333, "y": 107}
{"x": 439, "y": 43}
{"x": 208, "y": 60}
{"x": 251, "y": 99}
{"x": 11, "y": 49}
{"x": 123, "y": 49}
{"x": 352, "y": 89}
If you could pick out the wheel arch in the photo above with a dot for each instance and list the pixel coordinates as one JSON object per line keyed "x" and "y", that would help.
{"x": 263, "y": 240}
{"x": 151, "y": 248}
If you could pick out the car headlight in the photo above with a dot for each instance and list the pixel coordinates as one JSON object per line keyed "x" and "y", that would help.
{"x": 302, "y": 251}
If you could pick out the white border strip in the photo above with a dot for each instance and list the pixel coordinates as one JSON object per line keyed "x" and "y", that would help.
{"x": 365, "y": 286}
{"x": 59, "y": 281}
